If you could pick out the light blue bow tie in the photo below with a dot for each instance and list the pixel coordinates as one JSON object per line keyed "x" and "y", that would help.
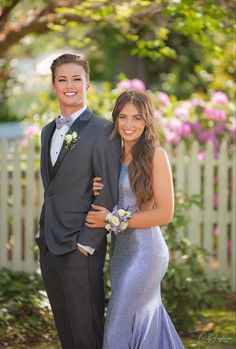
{"x": 63, "y": 121}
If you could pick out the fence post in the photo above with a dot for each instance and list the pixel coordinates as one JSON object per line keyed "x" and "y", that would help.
{"x": 194, "y": 187}
{"x": 30, "y": 263}
{"x": 16, "y": 210}
{"x": 180, "y": 180}
{"x": 3, "y": 205}
{"x": 222, "y": 210}
{"x": 208, "y": 214}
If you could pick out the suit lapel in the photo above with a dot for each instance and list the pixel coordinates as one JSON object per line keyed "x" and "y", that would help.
{"x": 77, "y": 127}
{"x": 46, "y": 158}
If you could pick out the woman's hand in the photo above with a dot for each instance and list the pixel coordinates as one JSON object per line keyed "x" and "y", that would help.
{"x": 97, "y": 218}
{"x": 97, "y": 185}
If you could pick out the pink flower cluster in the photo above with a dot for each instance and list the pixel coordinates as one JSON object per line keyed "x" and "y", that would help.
{"x": 134, "y": 84}
{"x": 163, "y": 98}
{"x": 176, "y": 129}
{"x": 215, "y": 114}
{"x": 206, "y": 121}
{"x": 31, "y": 132}
{"x": 219, "y": 98}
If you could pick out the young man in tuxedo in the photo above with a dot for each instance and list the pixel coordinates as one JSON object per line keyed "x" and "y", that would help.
{"x": 76, "y": 147}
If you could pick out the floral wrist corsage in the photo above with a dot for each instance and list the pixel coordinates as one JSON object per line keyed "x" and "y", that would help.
{"x": 117, "y": 220}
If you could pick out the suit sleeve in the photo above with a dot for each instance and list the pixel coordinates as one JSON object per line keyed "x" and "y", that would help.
{"x": 106, "y": 164}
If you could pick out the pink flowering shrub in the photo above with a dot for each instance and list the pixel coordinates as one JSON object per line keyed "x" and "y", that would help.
{"x": 205, "y": 119}
{"x": 208, "y": 119}
{"x": 219, "y": 98}
{"x": 198, "y": 119}
{"x": 163, "y": 98}
{"x": 134, "y": 84}
{"x": 32, "y": 132}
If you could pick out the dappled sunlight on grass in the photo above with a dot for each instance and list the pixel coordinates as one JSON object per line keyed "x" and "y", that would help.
{"x": 217, "y": 331}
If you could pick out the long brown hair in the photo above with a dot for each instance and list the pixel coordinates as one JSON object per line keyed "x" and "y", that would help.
{"x": 140, "y": 168}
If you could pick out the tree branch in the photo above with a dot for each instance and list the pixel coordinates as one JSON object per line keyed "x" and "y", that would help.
{"x": 37, "y": 21}
{"x": 5, "y": 12}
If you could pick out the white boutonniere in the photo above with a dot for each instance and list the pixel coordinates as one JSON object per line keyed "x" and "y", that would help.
{"x": 70, "y": 140}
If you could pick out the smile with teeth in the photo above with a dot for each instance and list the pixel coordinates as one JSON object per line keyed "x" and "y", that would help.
{"x": 129, "y": 132}
{"x": 70, "y": 94}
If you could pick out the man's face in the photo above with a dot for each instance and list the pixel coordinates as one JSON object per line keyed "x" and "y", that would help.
{"x": 71, "y": 86}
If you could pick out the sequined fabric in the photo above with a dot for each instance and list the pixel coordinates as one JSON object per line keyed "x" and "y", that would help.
{"x": 136, "y": 317}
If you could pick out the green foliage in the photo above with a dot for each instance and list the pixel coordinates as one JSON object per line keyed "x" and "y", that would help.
{"x": 217, "y": 332}
{"x": 222, "y": 70}
{"x": 172, "y": 39}
{"x": 6, "y": 81}
{"x": 187, "y": 287}
{"x": 174, "y": 46}
{"x": 24, "y": 316}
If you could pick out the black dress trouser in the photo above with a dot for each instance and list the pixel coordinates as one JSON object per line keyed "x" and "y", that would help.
{"x": 74, "y": 285}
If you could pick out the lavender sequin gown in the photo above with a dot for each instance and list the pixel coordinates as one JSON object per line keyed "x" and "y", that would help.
{"x": 136, "y": 317}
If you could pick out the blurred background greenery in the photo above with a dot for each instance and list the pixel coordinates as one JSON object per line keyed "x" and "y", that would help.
{"x": 180, "y": 47}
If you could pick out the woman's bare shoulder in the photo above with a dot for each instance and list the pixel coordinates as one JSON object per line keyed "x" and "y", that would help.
{"x": 160, "y": 154}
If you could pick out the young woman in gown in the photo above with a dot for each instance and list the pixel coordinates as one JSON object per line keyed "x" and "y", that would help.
{"x": 136, "y": 317}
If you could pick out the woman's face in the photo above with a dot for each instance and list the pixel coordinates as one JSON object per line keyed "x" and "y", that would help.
{"x": 130, "y": 123}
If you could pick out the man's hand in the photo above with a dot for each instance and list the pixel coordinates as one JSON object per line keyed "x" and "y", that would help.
{"x": 82, "y": 250}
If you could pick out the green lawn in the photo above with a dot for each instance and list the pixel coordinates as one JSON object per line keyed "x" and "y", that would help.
{"x": 217, "y": 333}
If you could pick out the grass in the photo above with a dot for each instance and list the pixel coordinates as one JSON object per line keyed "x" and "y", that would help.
{"x": 217, "y": 332}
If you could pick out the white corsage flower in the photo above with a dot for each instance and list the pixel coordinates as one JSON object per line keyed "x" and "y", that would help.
{"x": 117, "y": 220}
{"x": 114, "y": 220}
{"x": 70, "y": 140}
{"x": 123, "y": 213}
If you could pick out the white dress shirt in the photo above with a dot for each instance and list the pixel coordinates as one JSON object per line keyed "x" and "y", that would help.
{"x": 56, "y": 145}
{"x": 59, "y": 135}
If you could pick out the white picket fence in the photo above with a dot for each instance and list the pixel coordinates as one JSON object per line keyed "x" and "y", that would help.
{"x": 213, "y": 227}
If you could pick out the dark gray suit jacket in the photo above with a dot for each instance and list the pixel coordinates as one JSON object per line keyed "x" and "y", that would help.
{"x": 68, "y": 188}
